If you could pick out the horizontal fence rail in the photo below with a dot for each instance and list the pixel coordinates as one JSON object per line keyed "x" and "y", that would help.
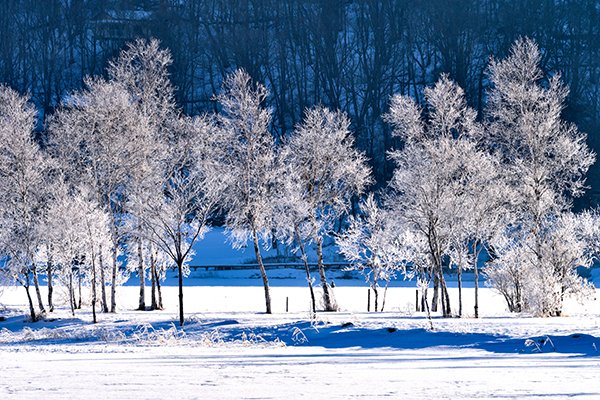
{"x": 292, "y": 265}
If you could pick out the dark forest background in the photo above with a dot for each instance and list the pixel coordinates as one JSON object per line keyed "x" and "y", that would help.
{"x": 351, "y": 55}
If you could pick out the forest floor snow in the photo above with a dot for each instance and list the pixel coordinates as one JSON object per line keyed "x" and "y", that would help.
{"x": 229, "y": 349}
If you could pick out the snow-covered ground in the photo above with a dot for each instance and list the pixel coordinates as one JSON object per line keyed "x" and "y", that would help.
{"x": 230, "y": 349}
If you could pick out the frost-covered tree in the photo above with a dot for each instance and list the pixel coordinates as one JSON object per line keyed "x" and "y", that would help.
{"x": 63, "y": 229}
{"x": 424, "y": 200}
{"x": 44, "y": 255}
{"x": 414, "y": 250}
{"x": 141, "y": 69}
{"x": 96, "y": 234}
{"x": 251, "y": 166}
{"x": 78, "y": 229}
{"x": 546, "y": 159}
{"x": 290, "y": 211}
{"x": 434, "y": 170}
{"x": 42, "y": 260}
{"x": 328, "y": 172}
{"x": 589, "y": 229}
{"x": 159, "y": 263}
{"x": 187, "y": 192}
{"x": 540, "y": 286}
{"x": 371, "y": 245}
{"x": 97, "y": 135}
{"x": 22, "y": 179}
{"x": 485, "y": 201}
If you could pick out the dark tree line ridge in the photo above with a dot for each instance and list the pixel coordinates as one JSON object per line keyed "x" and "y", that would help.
{"x": 349, "y": 55}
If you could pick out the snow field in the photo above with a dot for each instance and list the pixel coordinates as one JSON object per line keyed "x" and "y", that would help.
{"x": 230, "y": 349}
{"x": 297, "y": 373}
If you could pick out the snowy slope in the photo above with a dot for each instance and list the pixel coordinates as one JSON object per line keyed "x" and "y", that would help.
{"x": 215, "y": 249}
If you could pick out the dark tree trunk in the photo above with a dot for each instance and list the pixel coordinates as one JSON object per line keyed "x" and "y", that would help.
{"x": 427, "y": 309}
{"x": 387, "y": 283}
{"x": 306, "y": 267}
{"x": 79, "y": 287}
{"x": 440, "y": 282}
{"x": 460, "y": 291}
{"x": 436, "y": 285}
{"x": 328, "y": 302}
{"x": 159, "y": 292}
{"x": 476, "y": 278}
{"x": 442, "y": 300}
{"x": 113, "y": 283}
{"x": 263, "y": 272}
{"x": 71, "y": 294}
{"x": 36, "y": 284}
{"x": 518, "y": 301}
{"x": 50, "y": 286}
{"x": 327, "y": 296}
{"x": 446, "y": 306}
{"x": 32, "y": 313}
{"x": 94, "y": 319}
{"x": 158, "y": 287}
{"x": 142, "y": 276}
{"x": 102, "y": 283}
{"x": 153, "y": 305}
{"x": 180, "y": 281}
{"x": 376, "y": 292}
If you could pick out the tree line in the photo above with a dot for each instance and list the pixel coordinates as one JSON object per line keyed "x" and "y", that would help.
{"x": 503, "y": 186}
{"x": 124, "y": 170}
{"x": 344, "y": 54}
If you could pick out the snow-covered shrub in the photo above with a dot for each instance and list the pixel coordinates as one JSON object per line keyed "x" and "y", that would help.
{"x": 537, "y": 275}
{"x": 371, "y": 246}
